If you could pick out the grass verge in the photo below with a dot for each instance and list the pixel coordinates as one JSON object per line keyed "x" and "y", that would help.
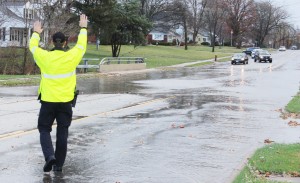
{"x": 274, "y": 159}
{"x": 19, "y": 80}
{"x": 159, "y": 56}
{"x": 294, "y": 105}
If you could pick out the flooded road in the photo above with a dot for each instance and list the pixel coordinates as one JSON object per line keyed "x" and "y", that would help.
{"x": 180, "y": 125}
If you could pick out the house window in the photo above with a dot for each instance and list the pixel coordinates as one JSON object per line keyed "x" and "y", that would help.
{"x": 204, "y": 39}
{"x": 14, "y": 34}
{"x": 199, "y": 39}
{"x": 158, "y": 37}
{"x": 28, "y": 13}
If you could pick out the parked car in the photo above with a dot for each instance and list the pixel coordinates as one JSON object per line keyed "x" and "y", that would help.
{"x": 254, "y": 52}
{"x": 238, "y": 58}
{"x": 248, "y": 51}
{"x": 263, "y": 55}
{"x": 282, "y": 48}
{"x": 294, "y": 47}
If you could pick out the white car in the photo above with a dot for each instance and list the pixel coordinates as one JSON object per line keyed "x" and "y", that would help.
{"x": 282, "y": 48}
{"x": 294, "y": 47}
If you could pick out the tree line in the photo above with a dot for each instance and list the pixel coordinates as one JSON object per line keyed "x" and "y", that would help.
{"x": 118, "y": 22}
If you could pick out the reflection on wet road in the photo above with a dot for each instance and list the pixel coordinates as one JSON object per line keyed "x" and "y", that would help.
{"x": 199, "y": 125}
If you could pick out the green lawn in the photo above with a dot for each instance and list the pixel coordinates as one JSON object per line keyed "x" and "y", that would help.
{"x": 158, "y": 56}
{"x": 275, "y": 159}
{"x": 294, "y": 105}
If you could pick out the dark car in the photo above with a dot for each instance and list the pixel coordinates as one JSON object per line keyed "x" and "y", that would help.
{"x": 263, "y": 55}
{"x": 239, "y": 58}
{"x": 249, "y": 50}
{"x": 254, "y": 52}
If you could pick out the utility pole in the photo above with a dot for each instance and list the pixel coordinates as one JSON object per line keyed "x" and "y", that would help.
{"x": 25, "y": 34}
{"x": 231, "y": 32}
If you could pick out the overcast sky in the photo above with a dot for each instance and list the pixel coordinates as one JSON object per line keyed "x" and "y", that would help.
{"x": 293, "y": 9}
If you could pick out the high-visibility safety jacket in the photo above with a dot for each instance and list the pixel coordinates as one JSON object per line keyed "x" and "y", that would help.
{"x": 58, "y": 68}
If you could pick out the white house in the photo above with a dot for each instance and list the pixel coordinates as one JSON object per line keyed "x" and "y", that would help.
{"x": 162, "y": 36}
{"x": 16, "y": 19}
{"x": 203, "y": 36}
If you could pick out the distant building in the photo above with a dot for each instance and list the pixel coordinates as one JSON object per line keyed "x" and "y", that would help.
{"x": 203, "y": 37}
{"x": 164, "y": 37}
{"x": 16, "y": 18}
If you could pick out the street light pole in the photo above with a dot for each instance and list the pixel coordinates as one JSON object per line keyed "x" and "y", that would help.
{"x": 231, "y": 32}
{"x": 26, "y": 35}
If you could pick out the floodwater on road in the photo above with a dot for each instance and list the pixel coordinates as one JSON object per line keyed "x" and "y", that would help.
{"x": 197, "y": 125}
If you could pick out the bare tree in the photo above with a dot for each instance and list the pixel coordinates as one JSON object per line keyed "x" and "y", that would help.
{"x": 57, "y": 16}
{"x": 154, "y": 9}
{"x": 269, "y": 18}
{"x": 179, "y": 12}
{"x": 197, "y": 8}
{"x": 214, "y": 17}
{"x": 2, "y": 14}
{"x": 284, "y": 34}
{"x": 240, "y": 18}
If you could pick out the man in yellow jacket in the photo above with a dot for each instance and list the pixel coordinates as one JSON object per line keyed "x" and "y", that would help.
{"x": 56, "y": 91}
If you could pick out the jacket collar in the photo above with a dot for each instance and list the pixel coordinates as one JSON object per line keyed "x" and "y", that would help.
{"x": 57, "y": 48}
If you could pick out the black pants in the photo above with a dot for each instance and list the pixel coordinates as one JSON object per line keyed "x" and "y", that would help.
{"x": 62, "y": 112}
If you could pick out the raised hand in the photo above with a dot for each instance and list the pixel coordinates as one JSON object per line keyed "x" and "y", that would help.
{"x": 83, "y": 21}
{"x": 37, "y": 27}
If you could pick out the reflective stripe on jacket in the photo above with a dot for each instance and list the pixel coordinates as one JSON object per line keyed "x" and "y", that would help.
{"x": 58, "y": 68}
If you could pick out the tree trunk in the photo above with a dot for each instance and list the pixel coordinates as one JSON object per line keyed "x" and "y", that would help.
{"x": 115, "y": 45}
{"x": 185, "y": 35}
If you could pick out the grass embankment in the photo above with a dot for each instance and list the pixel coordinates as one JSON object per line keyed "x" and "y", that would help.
{"x": 156, "y": 56}
{"x": 274, "y": 159}
{"x": 294, "y": 105}
{"x": 159, "y": 56}
{"x": 19, "y": 80}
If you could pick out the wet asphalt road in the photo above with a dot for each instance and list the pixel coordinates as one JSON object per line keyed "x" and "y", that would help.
{"x": 180, "y": 125}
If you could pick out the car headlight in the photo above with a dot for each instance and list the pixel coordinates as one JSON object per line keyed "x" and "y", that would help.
{"x": 242, "y": 59}
{"x": 261, "y": 57}
{"x": 232, "y": 58}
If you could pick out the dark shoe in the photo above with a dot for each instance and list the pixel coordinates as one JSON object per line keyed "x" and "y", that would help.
{"x": 49, "y": 163}
{"x": 57, "y": 168}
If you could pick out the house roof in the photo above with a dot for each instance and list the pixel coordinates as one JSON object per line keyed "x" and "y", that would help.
{"x": 14, "y": 13}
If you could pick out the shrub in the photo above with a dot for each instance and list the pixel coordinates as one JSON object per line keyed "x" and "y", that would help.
{"x": 205, "y": 43}
{"x": 162, "y": 43}
{"x": 227, "y": 43}
{"x": 11, "y": 61}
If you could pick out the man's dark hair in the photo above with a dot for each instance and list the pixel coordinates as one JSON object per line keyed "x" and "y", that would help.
{"x": 58, "y": 39}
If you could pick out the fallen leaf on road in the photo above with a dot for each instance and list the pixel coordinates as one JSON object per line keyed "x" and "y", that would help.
{"x": 293, "y": 123}
{"x": 295, "y": 174}
{"x": 268, "y": 141}
{"x": 267, "y": 174}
